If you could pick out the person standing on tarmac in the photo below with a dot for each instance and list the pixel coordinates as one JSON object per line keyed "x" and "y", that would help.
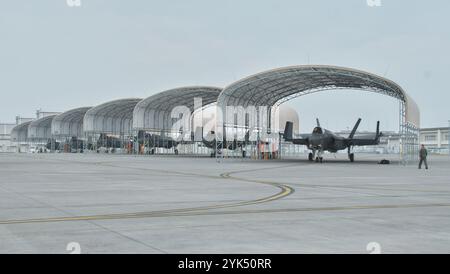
{"x": 423, "y": 153}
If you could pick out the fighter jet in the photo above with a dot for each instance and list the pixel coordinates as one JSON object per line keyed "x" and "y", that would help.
{"x": 211, "y": 142}
{"x": 157, "y": 141}
{"x": 52, "y": 144}
{"x": 321, "y": 140}
{"x": 75, "y": 144}
{"x": 108, "y": 141}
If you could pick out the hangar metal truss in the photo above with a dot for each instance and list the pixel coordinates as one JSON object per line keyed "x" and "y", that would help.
{"x": 171, "y": 113}
{"x": 114, "y": 117}
{"x": 69, "y": 123}
{"x": 274, "y": 87}
{"x": 19, "y": 133}
{"x": 39, "y": 131}
{"x": 155, "y": 112}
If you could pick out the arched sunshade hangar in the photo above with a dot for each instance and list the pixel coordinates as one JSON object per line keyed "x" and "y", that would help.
{"x": 40, "y": 130}
{"x": 69, "y": 123}
{"x": 276, "y": 86}
{"x": 154, "y": 113}
{"x": 114, "y": 117}
{"x": 19, "y": 133}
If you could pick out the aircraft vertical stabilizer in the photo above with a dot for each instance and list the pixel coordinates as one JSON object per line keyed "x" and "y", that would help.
{"x": 288, "y": 131}
{"x": 354, "y": 129}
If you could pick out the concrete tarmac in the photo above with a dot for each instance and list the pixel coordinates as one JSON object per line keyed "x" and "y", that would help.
{"x": 167, "y": 204}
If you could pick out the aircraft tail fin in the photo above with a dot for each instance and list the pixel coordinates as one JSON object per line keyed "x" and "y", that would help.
{"x": 288, "y": 131}
{"x": 378, "y": 133}
{"x": 318, "y": 122}
{"x": 352, "y": 134}
{"x": 247, "y": 136}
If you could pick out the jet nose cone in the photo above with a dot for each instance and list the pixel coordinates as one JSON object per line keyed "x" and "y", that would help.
{"x": 316, "y": 142}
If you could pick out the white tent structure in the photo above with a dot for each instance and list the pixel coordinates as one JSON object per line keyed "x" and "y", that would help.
{"x": 274, "y": 87}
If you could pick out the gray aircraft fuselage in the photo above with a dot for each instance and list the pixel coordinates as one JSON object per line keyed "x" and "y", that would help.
{"x": 326, "y": 140}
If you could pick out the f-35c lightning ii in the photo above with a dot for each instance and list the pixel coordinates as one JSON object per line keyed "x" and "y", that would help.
{"x": 321, "y": 140}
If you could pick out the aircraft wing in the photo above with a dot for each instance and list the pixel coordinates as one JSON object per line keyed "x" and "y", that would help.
{"x": 288, "y": 135}
{"x": 364, "y": 140}
{"x": 303, "y": 140}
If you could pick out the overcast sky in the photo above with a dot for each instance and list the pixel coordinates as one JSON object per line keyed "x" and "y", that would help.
{"x": 57, "y": 57}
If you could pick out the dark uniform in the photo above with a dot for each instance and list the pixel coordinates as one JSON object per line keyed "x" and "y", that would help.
{"x": 423, "y": 157}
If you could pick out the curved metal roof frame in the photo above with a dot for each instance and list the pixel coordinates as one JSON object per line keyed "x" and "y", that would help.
{"x": 114, "y": 117}
{"x": 154, "y": 112}
{"x": 40, "y": 129}
{"x": 276, "y": 86}
{"x": 69, "y": 123}
{"x": 19, "y": 133}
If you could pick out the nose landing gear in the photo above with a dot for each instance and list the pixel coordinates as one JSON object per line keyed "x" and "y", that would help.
{"x": 312, "y": 156}
{"x": 319, "y": 157}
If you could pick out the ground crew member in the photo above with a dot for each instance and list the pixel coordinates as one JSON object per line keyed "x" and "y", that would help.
{"x": 423, "y": 157}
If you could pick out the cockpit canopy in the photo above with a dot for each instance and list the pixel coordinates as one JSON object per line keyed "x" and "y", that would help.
{"x": 317, "y": 130}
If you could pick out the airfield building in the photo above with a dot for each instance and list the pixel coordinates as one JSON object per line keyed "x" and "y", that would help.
{"x": 435, "y": 139}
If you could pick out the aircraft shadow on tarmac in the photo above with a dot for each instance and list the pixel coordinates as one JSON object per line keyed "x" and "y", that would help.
{"x": 340, "y": 161}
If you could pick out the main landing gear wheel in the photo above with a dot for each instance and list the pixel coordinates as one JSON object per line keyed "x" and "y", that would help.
{"x": 310, "y": 157}
{"x": 351, "y": 156}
